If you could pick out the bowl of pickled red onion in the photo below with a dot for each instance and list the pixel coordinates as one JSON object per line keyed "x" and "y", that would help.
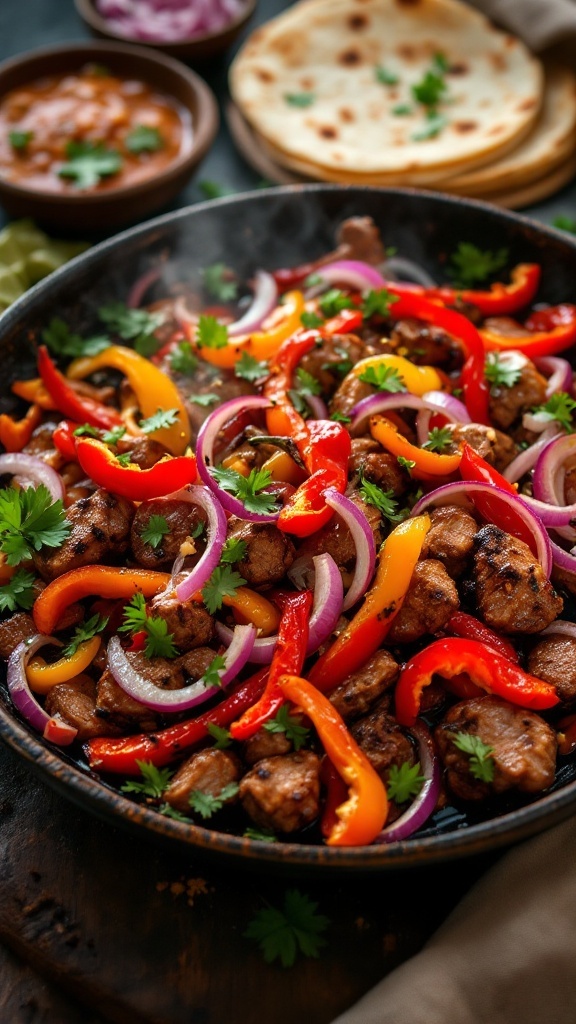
{"x": 192, "y": 30}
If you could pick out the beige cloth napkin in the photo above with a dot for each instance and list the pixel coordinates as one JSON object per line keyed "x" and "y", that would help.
{"x": 540, "y": 23}
{"x": 506, "y": 954}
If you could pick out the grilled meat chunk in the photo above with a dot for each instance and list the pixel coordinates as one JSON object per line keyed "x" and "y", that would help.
{"x": 512, "y": 592}
{"x": 425, "y": 344}
{"x": 144, "y": 451}
{"x": 379, "y": 467}
{"x": 189, "y": 622}
{"x": 554, "y": 660}
{"x": 265, "y": 744}
{"x": 492, "y": 445}
{"x": 42, "y": 446}
{"x": 430, "y": 601}
{"x": 269, "y": 552}
{"x": 506, "y": 405}
{"x": 182, "y": 519}
{"x": 117, "y": 710}
{"x": 14, "y": 630}
{"x": 361, "y": 238}
{"x": 282, "y": 793}
{"x": 450, "y": 539}
{"x": 206, "y": 380}
{"x": 100, "y": 533}
{"x": 523, "y": 748}
{"x": 335, "y": 538}
{"x": 208, "y": 771}
{"x": 75, "y": 702}
{"x": 382, "y": 740}
{"x": 333, "y": 358}
{"x": 360, "y": 690}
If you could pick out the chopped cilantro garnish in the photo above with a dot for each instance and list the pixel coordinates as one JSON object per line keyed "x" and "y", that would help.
{"x": 283, "y": 933}
{"x": 206, "y": 804}
{"x": 439, "y": 439}
{"x": 86, "y": 430}
{"x": 220, "y": 281}
{"x": 155, "y": 780}
{"x": 431, "y": 89}
{"x": 220, "y": 735}
{"x": 299, "y": 99}
{"x": 402, "y": 110}
{"x": 433, "y": 125}
{"x": 85, "y": 631}
{"x": 124, "y": 458}
{"x": 261, "y": 835}
{"x": 289, "y": 724}
{"x": 143, "y": 139}
{"x": 135, "y": 325}
{"x": 307, "y": 384}
{"x": 310, "y": 319}
{"x": 213, "y": 189}
{"x": 385, "y": 77}
{"x": 170, "y": 812}
{"x": 112, "y": 436}
{"x": 469, "y": 264}
{"x": 334, "y": 301}
{"x": 404, "y": 782}
{"x": 208, "y": 398}
{"x": 19, "y": 140}
{"x": 407, "y": 464}
{"x": 250, "y": 490}
{"x": 377, "y": 302}
{"x": 159, "y": 642}
{"x": 384, "y": 501}
{"x": 233, "y": 551}
{"x": 183, "y": 360}
{"x": 211, "y": 675}
{"x": 251, "y": 369}
{"x": 61, "y": 340}
{"x": 339, "y": 417}
{"x": 155, "y": 530}
{"x": 482, "y": 763}
{"x": 160, "y": 419}
{"x": 30, "y": 520}
{"x": 88, "y": 162}
{"x": 501, "y": 372}
{"x": 210, "y": 333}
{"x": 18, "y": 592}
{"x": 383, "y": 377}
{"x": 559, "y": 407}
{"x": 440, "y": 63}
{"x": 565, "y": 224}
{"x": 224, "y": 582}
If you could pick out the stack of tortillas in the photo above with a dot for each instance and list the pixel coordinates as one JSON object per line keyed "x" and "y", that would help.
{"x": 402, "y": 92}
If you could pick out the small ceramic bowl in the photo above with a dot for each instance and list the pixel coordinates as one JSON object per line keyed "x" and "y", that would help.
{"x": 195, "y": 50}
{"x": 104, "y": 210}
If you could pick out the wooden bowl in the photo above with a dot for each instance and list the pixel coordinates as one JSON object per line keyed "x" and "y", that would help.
{"x": 108, "y": 210}
{"x": 195, "y": 50}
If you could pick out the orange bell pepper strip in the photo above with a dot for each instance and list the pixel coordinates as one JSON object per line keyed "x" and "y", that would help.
{"x": 363, "y": 815}
{"x": 14, "y": 434}
{"x": 165, "y": 476}
{"x": 80, "y": 408}
{"x": 153, "y": 389}
{"x": 551, "y": 330}
{"x": 488, "y": 670}
{"x": 102, "y": 580}
{"x": 250, "y": 606}
{"x": 42, "y": 677}
{"x": 500, "y": 298}
{"x": 417, "y": 379}
{"x": 260, "y": 345}
{"x": 33, "y": 390}
{"x": 427, "y": 465}
{"x": 366, "y": 631}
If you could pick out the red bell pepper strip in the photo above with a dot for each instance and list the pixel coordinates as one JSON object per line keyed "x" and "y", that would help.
{"x": 553, "y": 330}
{"x": 64, "y": 439}
{"x": 15, "y": 434}
{"x": 469, "y": 628}
{"x": 120, "y": 755}
{"x": 288, "y": 658}
{"x": 104, "y": 580}
{"x": 325, "y": 453}
{"x": 364, "y": 634}
{"x": 363, "y": 815}
{"x": 488, "y": 670}
{"x": 102, "y": 466}
{"x": 474, "y": 467}
{"x": 501, "y": 298}
{"x": 336, "y": 792}
{"x": 74, "y": 406}
{"x": 473, "y": 377}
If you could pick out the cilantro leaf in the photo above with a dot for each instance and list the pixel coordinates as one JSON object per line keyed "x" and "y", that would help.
{"x": 160, "y": 419}
{"x": 501, "y": 372}
{"x": 220, "y": 281}
{"x": 440, "y": 63}
{"x": 155, "y": 780}
{"x": 565, "y": 224}
{"x": 159, "y": 642}
{"x": 18, "y": 592}
{"x": 206, "y": 804}
{"x": 261, "y": 835}
{"x": 233, "y": 550}
{"x": 220, "y": 735}
{"x": 210, "y": 333}
{"x": 402, "y": 110}
{"x": 248, "y": 488}
{"x": 404, "y": 782}
{"x": 282, "y": 933}
{"x": 439, "y": 439}
{"x": 469, "y": 264}
{"x": 309, "y": 319}
{"x": 433, "y": 125}
{"x": 155, "y": 530}
{"x": 384, "y": 501}
{"x": 385, "y": 378}
{"x": 213, "y": 190}
{"x": 124, "y": 458}
{"x": 299, "y": 99}
{"x": 19, "y": 140}
{"x": 86, "y": 430}
{"x": 208, "y": 398}
{"x": 135, "y": 325}
{"x": 289, "y": 724}
{"x": 482, "y": 763}
{"x": 377, "y": 302}
{"x": 251, "y": 369}
{"x": 407, "y": 464}
{"x": 85, "y": 631}
{"x": 30, "y": 520}
{"x": 143, "y": 139}
{"x": 559, "y": 407}
{"x": 334, "y": 301}
{"x": 224, "y": 582}
{"x": 183, "y": 360}
{"x": 61, "y": 340}
{"x": 88, "y": 163}
{"x": 385, "y": 77}
{"x": 170, "y": 812}
{"x": 211, "y": 675}
{"x": 339, "y": 417}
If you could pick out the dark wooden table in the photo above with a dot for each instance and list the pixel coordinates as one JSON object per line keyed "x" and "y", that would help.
{"x": 98, "y": 926}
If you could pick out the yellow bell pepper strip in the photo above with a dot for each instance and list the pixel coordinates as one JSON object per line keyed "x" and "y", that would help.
{"x": 427, "y": 465}
{"x": 42, "y": 677}
{"x": 260, "y": 345}
{"x": 153, "y": 389}
{"x": 487, "y": 669}
{"x": 418, "y": 379}
{"x": 363, "y": 815}
{"x": 366, "y": 631}
{"x": 14, "y": 434}
{"x": 116, "y": 582}
{"x": 249, "y": 606}
{"x": 80, "y": 408}
{"x": 283, "y": 469}
{"x": 33, "y": 390}
{"x": 165, "y": 476}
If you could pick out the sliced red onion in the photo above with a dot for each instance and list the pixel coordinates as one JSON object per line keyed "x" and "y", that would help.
{"x": 23, "y": 698}
{"x": 423, "y": 426}
{"x": 353, "y": 273}
{"x": 146, "y": 692}
{"x": 537, "y": 422}
{"x": 168, "y": 21}
{"x": 141, "y": 286}
{"x": 524, "y": 462}
{"x": 434, "y": 401}
{"x": 563, "y": 559}
{"x": 317, "y": 407}
{"x": 560, "y": 627}
{"x": 363, "y": 538}
{"x": 548, "y": 479}
{"x": 463, "y": 489}
{"x": 33, "y": 470}
{"x": 425, "y": 803}
{"x": 264, "y": 301}
{"x": 205, "y": 454}
{"x": 553, "y": 516}
{"x": 215, "y": 539}
{"x": 558, "y": 371}
{"x": 398, "y": 268}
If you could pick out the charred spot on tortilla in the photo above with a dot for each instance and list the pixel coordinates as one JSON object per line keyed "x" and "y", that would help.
{"x": 465, "y": 126}
{"x": 346, "y": 115}
{"x": 497, "y": 129}
{"x": 527, "y": 104}
{"x": 350, "y": 57}
{"x": 498, "y": 61}
{"x": 356, "y": 22}
{"x": 264, "y": 75}
{"x": 328, "y": 131}
{"x": 408, "y": 3}
{"x": 407, "y": 52}
{"x": 458, "y": 69}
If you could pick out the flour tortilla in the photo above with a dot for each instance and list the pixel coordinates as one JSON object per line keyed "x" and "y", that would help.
{"x": 330, "y": 50}
{"x": 546, "y": 186}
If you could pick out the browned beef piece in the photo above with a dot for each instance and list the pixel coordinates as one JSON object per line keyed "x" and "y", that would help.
{"x": 351, "y": 391}
{"x": 523, "y": 747}
{"x": 182, "y": 518}
{"x": 190, "y": 623}
{"x": 570, "y": 481}
{"x": 42, "y": 446}
{"x": 335, "y": 538}
{"x": 332, "y": 359}
{"x": 209, "y": 772}
{"x": 100, "y": 533}
{"x": 75, "y": 702}
{"x": 14, "y": 630}
{"x": 512, "y": 592}
{"x": 144, "y": 451}
{"x": 206, "y": 379}
{"x": 381, "y": 468}
{"x": 122, "y": 712}
{"x": 254, "y": 455}
{"x": 430, "y": 602}
{"x": 382, "y": 740}
{"x": 282, "y": 793}
{"x": 564, "y": 579}
{"x": 507, "y": 404}
{"x": 497, "y": 448}
{"x": 269, "y": 552}
{"x": 362, "y": 240}
{"x": 425, "y": 344}
{"x": 506, "y": 325}
{"x": 450, "y": 538}
{"x": 265, "y": 744}
{"x": 360, "y": 690}
{"x": 554, "y": 660}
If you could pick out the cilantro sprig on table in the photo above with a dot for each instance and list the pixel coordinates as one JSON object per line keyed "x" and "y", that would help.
{"x": 29, "y": 521}
{"x": 159, "y": 642}
{"x": 283, "y": 933}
